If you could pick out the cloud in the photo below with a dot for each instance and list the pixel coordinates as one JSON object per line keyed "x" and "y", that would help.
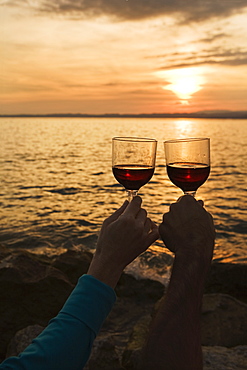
{"x": 189, "y": 62}
{"x": 215, "y": 55}
{"x": 212, "y": 38}
{"x": 186, "y": 11}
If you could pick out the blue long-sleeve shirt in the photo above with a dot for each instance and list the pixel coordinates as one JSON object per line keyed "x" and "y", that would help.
{"x": 67, "y": 341}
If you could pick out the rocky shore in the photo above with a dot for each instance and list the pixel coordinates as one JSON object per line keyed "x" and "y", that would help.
{"x": 34, "y": 288}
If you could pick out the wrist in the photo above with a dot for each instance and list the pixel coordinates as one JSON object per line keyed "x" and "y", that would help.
{"x": 200, "y": 256}
{"x": 105, "y": 271}
{"x": 193, "y": 265}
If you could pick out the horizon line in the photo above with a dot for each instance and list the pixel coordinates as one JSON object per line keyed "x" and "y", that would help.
{"x": 198, "y": 114}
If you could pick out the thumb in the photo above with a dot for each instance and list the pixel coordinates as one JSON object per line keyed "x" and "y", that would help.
{"x": 117, "y": 213}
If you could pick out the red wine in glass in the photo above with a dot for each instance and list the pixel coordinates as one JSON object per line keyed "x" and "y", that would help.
{"x": 188, "y": 162}
{"x": 188, "y": 176}
{"x": 133, "y": 162}
{"x": 133, "y": 177}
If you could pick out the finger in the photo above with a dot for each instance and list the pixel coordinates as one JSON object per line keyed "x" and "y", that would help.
{"x": 186, "y": 199}
{"x": 181, "y": 198}
{"x": 147, "y": 225}
{"x": 152, "y": 226}
{"x": 141, "y": 215}
{"x": 176, "y": 211}
{"x": 117, "y": 213}
{"x": 184, "y": 204}
{"x": 165, "y": 215}
{"x": 153, "y": 235}
{"x": 134, "y": 206}
{"x": 173, "y": 206}
{"x": 201, "y": 202}
{"x": 211, "y": 220}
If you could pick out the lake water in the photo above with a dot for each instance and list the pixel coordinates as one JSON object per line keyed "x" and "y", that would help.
{"x": 57, "y": 185}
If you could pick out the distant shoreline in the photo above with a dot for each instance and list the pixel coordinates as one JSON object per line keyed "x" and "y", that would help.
{"x": 202, "y": 114}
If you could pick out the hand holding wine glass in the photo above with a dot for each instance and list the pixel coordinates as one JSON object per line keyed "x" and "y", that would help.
{"x": 133, "y": 162}
{"x": 188, "y": 163}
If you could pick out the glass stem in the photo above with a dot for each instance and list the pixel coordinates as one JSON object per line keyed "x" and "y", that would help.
{"x": 131, "y": 194}
{"x": 192, "y": 193}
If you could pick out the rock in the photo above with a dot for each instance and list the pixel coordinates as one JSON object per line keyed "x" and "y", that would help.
{"x": 132, "y": 353}
{"x": 139, "y": 289}
{"x": 34, "y": 288}
{"x": 224, "y": 321}
{"x": 220, "y": 358}
{"x": 104, "y": 355}
{"x": 31, "y": 292}
{"x": 22, "y": 339}
{"x": 228, "y": 278}
{"x": 3, "y": 252}
{"x": 136, "y": 299}
{"x": 73, "y": 263}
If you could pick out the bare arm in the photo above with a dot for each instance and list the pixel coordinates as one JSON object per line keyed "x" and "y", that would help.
{"x": 174, "y": 341}
{"x": 124, "y": 235}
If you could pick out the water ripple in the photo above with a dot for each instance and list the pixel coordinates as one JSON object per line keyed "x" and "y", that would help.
{"x": 66, "y": 191}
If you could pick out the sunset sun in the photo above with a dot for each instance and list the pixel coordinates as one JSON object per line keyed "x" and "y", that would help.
{"x": 183, "y": 82}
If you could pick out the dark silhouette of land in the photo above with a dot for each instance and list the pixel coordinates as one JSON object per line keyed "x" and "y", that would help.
{"x": 199, "y": 114}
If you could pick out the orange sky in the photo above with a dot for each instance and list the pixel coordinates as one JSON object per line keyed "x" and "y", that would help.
{"x": 118, "y": 56}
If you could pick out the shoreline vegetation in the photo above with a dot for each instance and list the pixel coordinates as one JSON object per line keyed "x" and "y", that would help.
{"x": 222, "y": 114}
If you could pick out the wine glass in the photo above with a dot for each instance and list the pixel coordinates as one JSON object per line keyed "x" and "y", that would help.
{"x": 133, "y": 162}
{"x": 188, "y": 163}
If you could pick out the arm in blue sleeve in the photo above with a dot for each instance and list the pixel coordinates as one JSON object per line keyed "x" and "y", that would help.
{"x": 67, "y": 341}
